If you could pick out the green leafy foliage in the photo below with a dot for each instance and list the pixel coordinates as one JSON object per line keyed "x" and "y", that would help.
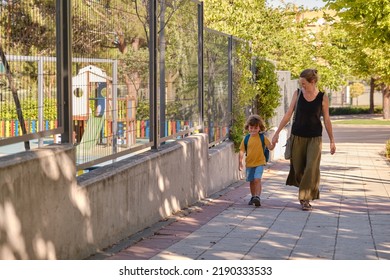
{"x": 143, "y": 109}
{"x": 267, "y": 96}
{"x": 261, "y": 92}
{"x": 30, "y": 109}
{"x": 367, "y": 24}
{"x": 250, "y": 21}
{"x": 243, "y": 90}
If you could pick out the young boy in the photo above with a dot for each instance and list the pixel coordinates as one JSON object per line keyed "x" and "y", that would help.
{"x": 255, "y": 159}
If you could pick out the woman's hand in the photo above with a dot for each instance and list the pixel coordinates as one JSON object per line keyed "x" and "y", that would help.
{"x": 275, "y": 139}
{"x": 332, "y": 148}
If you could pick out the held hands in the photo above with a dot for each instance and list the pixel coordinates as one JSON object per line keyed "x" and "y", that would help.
{"x": 275, "y": 140}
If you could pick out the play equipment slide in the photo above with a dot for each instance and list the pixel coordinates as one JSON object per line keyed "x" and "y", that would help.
{"x": 91, "y": 133}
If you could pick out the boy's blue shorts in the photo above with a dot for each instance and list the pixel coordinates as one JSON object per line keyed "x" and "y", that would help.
{"x": 254, "y": 173}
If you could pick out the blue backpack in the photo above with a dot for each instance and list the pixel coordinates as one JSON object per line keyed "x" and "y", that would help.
{"x": 265, "y": 149}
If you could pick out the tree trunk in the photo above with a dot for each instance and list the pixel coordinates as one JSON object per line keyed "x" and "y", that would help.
{"x": 170, "y": 89}
{"x": 372, "y": 89}
{"x": 386, "y": 101}
{"x": 210, "y": 95}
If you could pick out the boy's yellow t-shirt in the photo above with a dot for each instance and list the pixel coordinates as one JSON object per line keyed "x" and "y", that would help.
{"x": 255, "y": 154}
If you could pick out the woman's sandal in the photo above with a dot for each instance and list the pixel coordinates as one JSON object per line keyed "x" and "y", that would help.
{"x": 305, "y": 205}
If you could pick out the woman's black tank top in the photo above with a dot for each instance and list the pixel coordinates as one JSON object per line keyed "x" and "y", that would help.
{"x": 308, "y": 117}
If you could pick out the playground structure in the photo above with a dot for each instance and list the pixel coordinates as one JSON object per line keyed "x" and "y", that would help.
{"x": 99, "y": 115}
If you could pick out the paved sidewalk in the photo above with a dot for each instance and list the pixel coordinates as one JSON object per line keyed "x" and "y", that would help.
{"x": 351, "y": 221}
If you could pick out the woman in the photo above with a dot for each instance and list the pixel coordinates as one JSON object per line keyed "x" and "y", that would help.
{"x": 307, "y": 137}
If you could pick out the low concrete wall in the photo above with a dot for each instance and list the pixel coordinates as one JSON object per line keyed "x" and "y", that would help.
{"x": 40, "y": 205}
{"x": 223, "y": 167}
{"x": 48, "y": 213}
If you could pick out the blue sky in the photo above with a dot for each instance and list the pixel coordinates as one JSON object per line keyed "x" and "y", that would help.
{"x": 306, "y": 3}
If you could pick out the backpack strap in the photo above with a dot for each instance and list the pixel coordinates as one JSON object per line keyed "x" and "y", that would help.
{"x": 246, "y": 139}
{"x": 262, "y": 140}
{"x": 265, "y": 149}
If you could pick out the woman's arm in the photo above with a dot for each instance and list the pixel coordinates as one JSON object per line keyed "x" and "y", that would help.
{"x": 328, "y": 124}
{"x": 286, "y": 118}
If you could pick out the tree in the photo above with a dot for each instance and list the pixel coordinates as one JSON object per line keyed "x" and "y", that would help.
{"x": 279, "y": 35}
{"x": 282, "y": 35}
{"x": 28, "y": 26}
{"x": 356, "y": 89}
{"x": 368, "y": 26}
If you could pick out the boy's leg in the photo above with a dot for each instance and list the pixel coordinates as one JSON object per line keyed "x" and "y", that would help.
{"x": 254, "y": 175}
{"x": 250, "y": 172}
{"x": 256, "y": 192}
{"x": 255, "y": 187}
{"x": 252, "y": 188}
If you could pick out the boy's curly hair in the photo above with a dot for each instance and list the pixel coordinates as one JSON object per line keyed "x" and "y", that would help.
{"x": 255, "y": 120}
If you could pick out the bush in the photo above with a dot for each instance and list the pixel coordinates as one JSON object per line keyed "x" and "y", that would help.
{"x": 29, "y": 108}
{"x": 353, "y": 110}
{"x": 260, "y": 92}
{"x": 388, "y": 149}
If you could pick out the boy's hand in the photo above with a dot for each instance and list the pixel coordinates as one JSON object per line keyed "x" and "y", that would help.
{"x": 240, "y": 158}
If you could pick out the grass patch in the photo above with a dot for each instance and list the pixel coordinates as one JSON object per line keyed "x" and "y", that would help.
{"x": 362, "y": 122}
{"x": 388, "y": 149}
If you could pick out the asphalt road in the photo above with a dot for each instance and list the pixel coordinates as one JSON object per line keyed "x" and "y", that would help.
{"x": 359, "y": 134}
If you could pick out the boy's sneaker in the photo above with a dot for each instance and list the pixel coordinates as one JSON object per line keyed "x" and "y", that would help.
{"x": 251, "y": 201}
{"x": 256, "y": 201}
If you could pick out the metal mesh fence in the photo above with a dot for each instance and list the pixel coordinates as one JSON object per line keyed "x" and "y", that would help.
{"x": 109, "y": 78}
{"x": 118, "y": 103}
{"x": 178, "y": 79}
{"x": 28, "y": 85}
{"x": 216, "y": 78}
